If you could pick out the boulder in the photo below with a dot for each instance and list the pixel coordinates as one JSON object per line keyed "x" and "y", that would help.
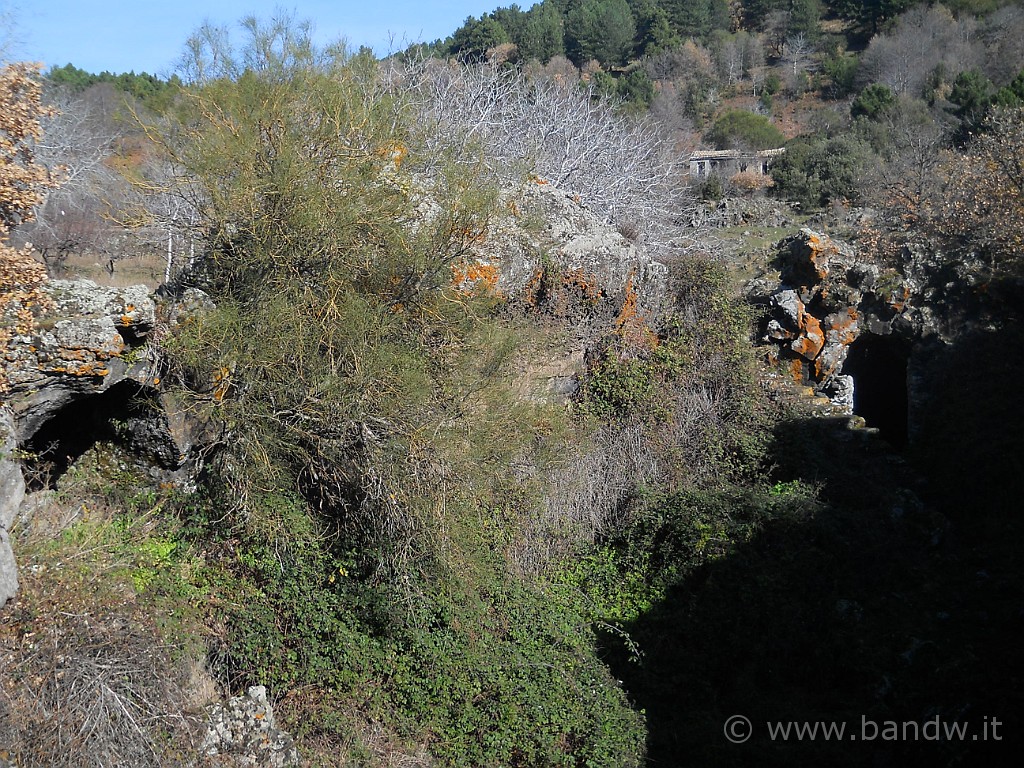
{"x": 825, "y": 298}
{"x": 243, "y": 732}
{"x": 546, "y": 227}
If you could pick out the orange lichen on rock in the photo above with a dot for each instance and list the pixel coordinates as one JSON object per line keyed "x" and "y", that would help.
{"x": 588, "y": 287}
{"x": 818, "y": 255}
{"x": 531, "y": 290}
{"x": 475, "y": 276}
{"x": 811, "y": 338}
{"x": 630, "y": 324}
{"x": 90, "y": 369}
{"x": 899, "y": 304}
{"x": 796, "y": 370}
{"x": 842, "y": 326}
{"x": 394, "y": 151}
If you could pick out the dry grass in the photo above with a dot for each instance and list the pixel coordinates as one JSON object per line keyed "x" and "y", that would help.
{"x": 87, "y": 679}
{"x": 362, "y": 740}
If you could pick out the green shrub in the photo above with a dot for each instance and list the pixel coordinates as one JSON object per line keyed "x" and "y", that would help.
{"x": 749, "y": 130}
{"x": 662, "y": 380}
{"x": 873, "y": 102}
{"x": 370, "y": 475}
{"x": 816, "y": 171}
{"x": 841, "y": 69}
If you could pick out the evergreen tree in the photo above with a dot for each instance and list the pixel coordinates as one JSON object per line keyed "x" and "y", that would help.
{"x": 972, "y": 95}
{"x": 740, "y": 128}
{"x": 696, "y": 18}
{"x": 654, "y": 29}
{"x": 475, "y": 37}
{"x": 544, "y": 32}
{"x": 871, "y": 13}
{"x": 873, "y": 102}
{"x": 600, "y": 29}
{"x": 513, "y": 20}
{"x": 804, "y": 16}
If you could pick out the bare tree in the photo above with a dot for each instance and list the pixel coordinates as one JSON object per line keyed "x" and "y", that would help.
{"x": 1003, "y": 38}
{"x": 730, "y": 59}
{"x": 78, "y": 138}
{"x": 622, "y": 168}
{"x": 163, "y": 216}
{"x": 776, "y": 27}
{"x": 907, "y": 182}
{"x": 925, "y": 40}
{"x": 798, "y": 53}
{"x": 690, "y": 61}
{"x": 738, "y": 55}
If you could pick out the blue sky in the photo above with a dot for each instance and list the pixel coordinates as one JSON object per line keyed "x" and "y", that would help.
{"x": 148, "y": 35}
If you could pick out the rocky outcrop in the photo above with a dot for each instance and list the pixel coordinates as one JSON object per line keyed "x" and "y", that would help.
{"x": 92, "y": 339}
{"x": 243, "y": 732}
{"x": 544, "y": 231}
{"x": 88, "y": 371}
{"x": 84, "y": 373}
{"x": 823, "y": 299}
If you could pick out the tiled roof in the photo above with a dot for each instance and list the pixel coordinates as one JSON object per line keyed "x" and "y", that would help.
{"x": 728, "y": 154}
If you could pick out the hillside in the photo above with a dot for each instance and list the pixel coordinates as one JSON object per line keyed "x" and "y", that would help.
{"x": 465, "y": 428}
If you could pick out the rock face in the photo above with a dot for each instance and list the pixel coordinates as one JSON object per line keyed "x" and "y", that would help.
{"x": 243, "y": 732}
{"x": 83, "y": 346}
{"x": 12, "y": 492}
{"x": 547, "y": 230}
{"x": 824, "y": 301}
{"x": 863, "y": 335}
{"x": 87, "y": 372}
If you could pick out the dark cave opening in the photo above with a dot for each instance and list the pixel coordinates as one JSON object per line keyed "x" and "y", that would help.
{"x": 878, "y": 365}
{"x": 80, "y": 425}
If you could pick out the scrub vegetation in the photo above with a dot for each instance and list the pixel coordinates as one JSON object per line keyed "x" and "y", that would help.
{"x": 424, "y": 561}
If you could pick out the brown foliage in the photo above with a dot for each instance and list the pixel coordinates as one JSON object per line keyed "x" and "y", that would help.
{"x": 983, "y": 205}
{"x": 23, "y": 183}
{"x": 748, "y": 181}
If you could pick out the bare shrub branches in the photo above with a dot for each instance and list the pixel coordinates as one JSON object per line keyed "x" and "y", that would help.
{"x": 620, "y": 167}
{"x": 983, "y": 203}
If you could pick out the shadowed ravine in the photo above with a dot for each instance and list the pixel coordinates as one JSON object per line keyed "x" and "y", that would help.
{"x": 896, "y": 600}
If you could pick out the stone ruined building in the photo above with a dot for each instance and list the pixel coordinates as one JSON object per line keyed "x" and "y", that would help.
{"x": 729, "y": 162}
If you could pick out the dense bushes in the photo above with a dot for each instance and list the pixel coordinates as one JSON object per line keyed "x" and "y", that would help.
{"x": 497, "y": 672}
{"x": 816, "y": 171}
{"x": 377, "y": 472}
{"x": 692, "y": 384}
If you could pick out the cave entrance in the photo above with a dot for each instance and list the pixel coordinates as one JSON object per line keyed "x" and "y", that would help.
{"x": 77, "y": 427}
{"x": 878, "y": 365}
